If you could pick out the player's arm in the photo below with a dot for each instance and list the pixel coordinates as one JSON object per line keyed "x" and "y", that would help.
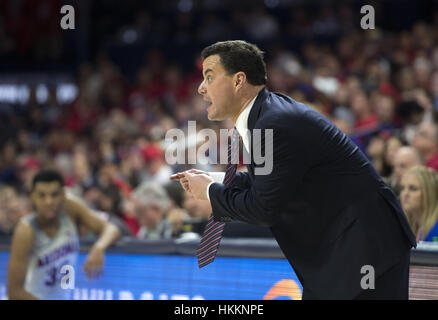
{"x": 107, "y": 231}
{"x": 21, "y": 246}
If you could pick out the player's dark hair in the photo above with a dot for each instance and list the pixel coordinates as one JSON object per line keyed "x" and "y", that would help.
{"x": 47, "y": 175}
{"x": 239, "y": 55}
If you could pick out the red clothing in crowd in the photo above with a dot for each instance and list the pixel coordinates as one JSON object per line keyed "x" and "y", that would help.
{"x": 80, "y": 118}
{"x": 433, "y": 162}
{"x": 131, "y": 223}
{"x": 367, "y": 122}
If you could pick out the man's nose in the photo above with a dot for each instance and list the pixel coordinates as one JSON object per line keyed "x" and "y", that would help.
{"x": 201, "y": 88}
{"x": 48, "y": 201}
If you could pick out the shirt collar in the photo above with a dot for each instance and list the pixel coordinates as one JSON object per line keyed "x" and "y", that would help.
{"x": 242, "y": 122}
{"x": 242, "y": 119}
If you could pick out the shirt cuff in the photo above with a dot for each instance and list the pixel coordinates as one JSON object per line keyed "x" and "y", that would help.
{"x": 217, "y": 177}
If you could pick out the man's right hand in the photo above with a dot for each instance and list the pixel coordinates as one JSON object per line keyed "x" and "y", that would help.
{"x": 179, "y": 176}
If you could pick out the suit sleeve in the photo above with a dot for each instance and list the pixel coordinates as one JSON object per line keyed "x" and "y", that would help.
{"x": 261, "y": 202}
{"x": 242, "y": 180}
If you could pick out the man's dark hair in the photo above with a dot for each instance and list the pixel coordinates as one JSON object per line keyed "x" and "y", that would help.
{"x": 239, "y": 55}
{"x": 47, "y": 175}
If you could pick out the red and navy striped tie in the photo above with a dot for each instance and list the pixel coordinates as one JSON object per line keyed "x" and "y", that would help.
{"x": 213, "y": 230}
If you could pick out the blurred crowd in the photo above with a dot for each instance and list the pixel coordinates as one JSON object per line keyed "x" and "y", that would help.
{"x": 378, "y": 86}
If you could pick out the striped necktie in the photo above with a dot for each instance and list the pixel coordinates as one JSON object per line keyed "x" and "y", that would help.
{"x": 213, "y": 230}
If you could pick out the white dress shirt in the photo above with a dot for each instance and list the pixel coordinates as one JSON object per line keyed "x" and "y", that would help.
{"x": 242, "y": 127}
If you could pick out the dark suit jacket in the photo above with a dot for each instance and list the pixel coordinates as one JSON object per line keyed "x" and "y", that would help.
{"x": 329, "y": 210}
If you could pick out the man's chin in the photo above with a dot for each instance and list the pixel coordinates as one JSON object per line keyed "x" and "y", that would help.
{"x": 214, "y": 117}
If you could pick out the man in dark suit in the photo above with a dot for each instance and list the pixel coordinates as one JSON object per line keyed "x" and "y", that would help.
{"x": 340, "y": 227}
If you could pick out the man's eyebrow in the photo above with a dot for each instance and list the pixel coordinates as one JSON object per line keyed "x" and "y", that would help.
{"x": 208, "y": 70}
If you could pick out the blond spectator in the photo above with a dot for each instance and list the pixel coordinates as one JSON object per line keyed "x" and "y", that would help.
{"x": 419, "y": 199}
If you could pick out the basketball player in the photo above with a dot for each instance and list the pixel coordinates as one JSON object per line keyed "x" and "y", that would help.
{"x": 47, "y": 239}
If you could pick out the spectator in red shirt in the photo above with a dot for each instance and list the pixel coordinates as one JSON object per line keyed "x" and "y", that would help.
{"x": 360, "y": 106}
{"x": 426, "y": 142}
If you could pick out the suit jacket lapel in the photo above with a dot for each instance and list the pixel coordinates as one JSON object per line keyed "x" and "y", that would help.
{"x": 254, "y": 114}
{"x": 256, "y": 108}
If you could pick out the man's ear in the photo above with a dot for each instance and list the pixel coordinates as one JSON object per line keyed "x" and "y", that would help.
{"x": 239, "y": 80}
